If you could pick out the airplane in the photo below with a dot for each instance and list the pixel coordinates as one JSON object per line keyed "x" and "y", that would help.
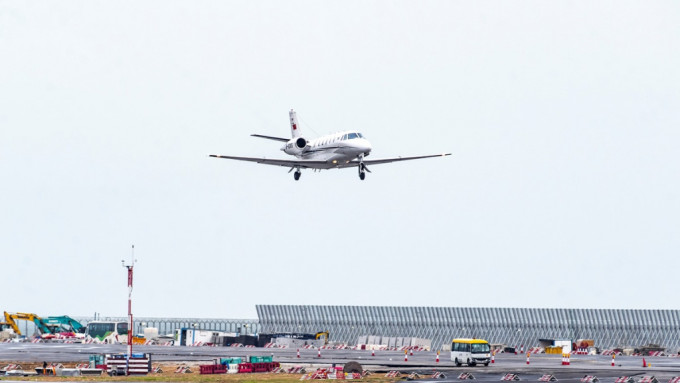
{"x": 346, "y": 149}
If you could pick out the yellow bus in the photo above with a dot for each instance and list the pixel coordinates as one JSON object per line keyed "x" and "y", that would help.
{"x": 470, "y": 352}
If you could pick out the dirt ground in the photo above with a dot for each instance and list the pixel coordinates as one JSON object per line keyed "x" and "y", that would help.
{"x": 169, "y": 375}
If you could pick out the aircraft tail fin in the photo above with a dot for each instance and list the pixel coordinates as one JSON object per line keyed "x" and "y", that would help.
{"x": 294, "y": 126}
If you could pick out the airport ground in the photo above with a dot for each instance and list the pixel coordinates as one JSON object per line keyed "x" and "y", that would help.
{"x": 421, "y": 362}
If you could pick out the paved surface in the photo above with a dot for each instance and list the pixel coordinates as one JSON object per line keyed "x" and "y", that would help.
{"x": 422, "y": 362}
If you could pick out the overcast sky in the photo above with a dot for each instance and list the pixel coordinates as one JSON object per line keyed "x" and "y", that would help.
{"x": 562, "y": 191}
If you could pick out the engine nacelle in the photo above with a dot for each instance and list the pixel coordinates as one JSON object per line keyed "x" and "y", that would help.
{"x": 296, "y": 146}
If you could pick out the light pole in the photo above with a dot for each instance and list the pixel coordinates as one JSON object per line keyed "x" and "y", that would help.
{"x": 129, "y": 267}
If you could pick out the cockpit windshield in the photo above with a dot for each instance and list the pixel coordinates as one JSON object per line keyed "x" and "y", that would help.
{"x": 480, "y": 348}
{"x": 351, "y": 136}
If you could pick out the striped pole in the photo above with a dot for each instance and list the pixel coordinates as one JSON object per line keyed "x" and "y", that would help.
{"x": 613, "y": 360}
{"x": 493, "y": 357}
{"x": 437, "y": 360}
{"x": 129, "y": 267}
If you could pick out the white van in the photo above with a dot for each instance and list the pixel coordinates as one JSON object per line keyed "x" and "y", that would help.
{"x": 470, "y": 352}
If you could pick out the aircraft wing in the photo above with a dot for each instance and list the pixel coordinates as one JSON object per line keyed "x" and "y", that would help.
{"x": 396, "y": 159}
{"x": 304, "y": 164}
{"x": 388, "y": 160}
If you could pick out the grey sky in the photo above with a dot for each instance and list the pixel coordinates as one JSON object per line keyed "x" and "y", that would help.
{"x": 563, "y": 119}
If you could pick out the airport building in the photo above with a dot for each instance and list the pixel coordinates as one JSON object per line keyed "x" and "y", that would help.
{"x": 509, "y": 326}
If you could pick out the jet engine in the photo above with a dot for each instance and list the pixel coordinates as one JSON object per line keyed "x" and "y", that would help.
{"x": 301, "y": 143}
{"x": 296, "y": 146}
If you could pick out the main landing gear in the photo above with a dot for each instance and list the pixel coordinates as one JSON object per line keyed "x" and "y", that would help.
{"x": 297, "y": 173}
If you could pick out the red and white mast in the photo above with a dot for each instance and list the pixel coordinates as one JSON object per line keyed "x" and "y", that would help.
{"x": 130, "y": 267}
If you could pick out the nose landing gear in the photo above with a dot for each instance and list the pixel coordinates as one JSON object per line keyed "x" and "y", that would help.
{"x": 362, "y": 168}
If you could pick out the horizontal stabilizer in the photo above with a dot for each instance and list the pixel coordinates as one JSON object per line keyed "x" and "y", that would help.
{"x": 271, "y": 138}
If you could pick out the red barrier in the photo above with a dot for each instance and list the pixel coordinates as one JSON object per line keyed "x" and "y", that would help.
{"x": 244, "y": 368}
{"x": 207, "y": 369}
{"x": 261, "y": 367}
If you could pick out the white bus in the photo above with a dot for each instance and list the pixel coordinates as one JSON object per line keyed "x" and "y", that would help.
{"x": 470, "y": 352}
{"x": 107, "y": 331}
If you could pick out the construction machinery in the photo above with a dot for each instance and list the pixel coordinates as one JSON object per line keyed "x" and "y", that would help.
{"x": 11, "y": 319}
{"x": 63, "y": 324}
{"x": 6, "y": 331}
{"x": 322, "y": 334}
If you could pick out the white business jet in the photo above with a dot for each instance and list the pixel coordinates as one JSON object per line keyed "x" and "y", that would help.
{"x": 334, "y": 151}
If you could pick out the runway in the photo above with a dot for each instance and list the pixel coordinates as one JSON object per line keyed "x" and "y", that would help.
{"x": 423, "y": 362}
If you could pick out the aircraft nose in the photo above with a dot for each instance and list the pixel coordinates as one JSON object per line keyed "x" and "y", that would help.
{"x": 367, "y": 147}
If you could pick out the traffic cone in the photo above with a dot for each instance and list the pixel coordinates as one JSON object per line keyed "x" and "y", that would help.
{"x": 568, "y": 361}
{"x": 564, "y": 361}
{"x": 405, "y": 356}
{"x": 411, "y": 352}
{"x": 319, "y": 354}
{"x": 372, "y": 352}
{"x": 521, "y": 349}
{"x": 528, "y": 355}
{"x": 644, "y": 362}
{"x": 298, "y": 353}
{"x": 437, "y": 360}
{"x": 493, "y": 357}
{"x": 613, "y": 360}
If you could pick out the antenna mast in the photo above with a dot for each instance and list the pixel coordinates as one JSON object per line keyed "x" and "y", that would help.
{"x": 129, "y": 267}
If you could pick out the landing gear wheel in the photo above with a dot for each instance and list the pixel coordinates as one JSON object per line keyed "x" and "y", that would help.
{"x": 296, "y": 175}
{"x": 362, "y": 175}
{"x": 486, "y": 364}
{"x": 457, "y": 362}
